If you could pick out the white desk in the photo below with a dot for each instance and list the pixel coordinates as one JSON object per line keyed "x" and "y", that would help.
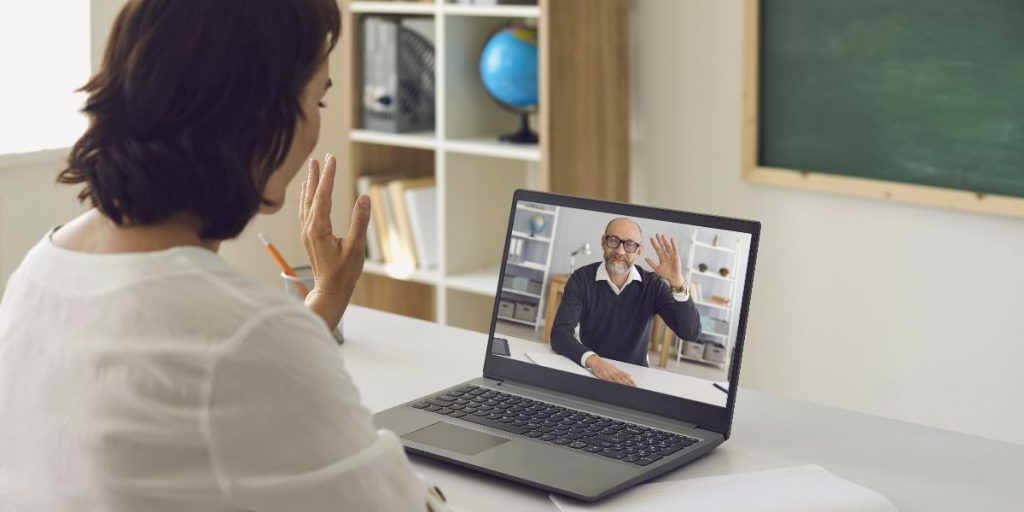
{"x": 395, "y": 359}
{"x": 654, "y": 379}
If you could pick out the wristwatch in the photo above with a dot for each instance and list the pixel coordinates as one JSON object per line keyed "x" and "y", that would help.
{"x": 679, "y": 289}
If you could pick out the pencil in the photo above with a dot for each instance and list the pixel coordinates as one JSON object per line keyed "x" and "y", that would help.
{"x": 285, "y": 267}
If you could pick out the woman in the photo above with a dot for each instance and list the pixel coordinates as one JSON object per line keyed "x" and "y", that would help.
{"x": 138, "y": 370}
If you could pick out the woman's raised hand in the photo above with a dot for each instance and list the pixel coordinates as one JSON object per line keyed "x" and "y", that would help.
{"x": 337, "y": 262}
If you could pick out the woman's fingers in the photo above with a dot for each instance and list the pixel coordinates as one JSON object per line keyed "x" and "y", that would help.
{"x": 302, "y": 204}
{"x": 356, "y": 236}
{"x": 309, "y": 188}
{"x": 320, "y": 213}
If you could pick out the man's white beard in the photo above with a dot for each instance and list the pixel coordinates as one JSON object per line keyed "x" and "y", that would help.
{"x": 615, "y": 268}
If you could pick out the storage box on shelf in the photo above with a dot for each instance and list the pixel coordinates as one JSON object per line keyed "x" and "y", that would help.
{"x": 584, "y": 61}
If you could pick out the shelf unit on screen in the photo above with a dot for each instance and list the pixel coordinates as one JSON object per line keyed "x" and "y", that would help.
{"x": 584, "y": 147}
{"x": 528, "y": 267}
{"x": 708, "y": 308}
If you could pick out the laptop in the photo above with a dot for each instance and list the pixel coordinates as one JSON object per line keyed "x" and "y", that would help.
{"x": 576, "y": 287}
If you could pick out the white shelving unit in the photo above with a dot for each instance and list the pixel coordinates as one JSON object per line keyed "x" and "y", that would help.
{"x": 535, "y": 270}
{"x": 474, "y": 172}
{"x": 704, "y": 306}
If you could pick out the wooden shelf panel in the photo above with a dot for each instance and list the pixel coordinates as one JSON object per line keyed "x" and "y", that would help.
{"x": 501, "y": 11}
{"x": 491, "y": 146}
{"x": 401, "y": 297}
{"x": 393, "y": 7}
{"x": 418, "y": 140}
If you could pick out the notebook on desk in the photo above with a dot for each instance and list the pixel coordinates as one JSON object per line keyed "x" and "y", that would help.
{"x": 539, "y": 412}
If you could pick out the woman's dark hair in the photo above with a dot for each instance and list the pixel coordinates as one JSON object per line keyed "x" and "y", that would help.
{"x": 196, "y": 105}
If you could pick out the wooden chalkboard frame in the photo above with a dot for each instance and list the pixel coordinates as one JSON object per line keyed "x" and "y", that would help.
{"x": 754, "y": 172}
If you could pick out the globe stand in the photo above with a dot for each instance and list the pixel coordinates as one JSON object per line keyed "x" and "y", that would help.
{"x": 524, "y": 135}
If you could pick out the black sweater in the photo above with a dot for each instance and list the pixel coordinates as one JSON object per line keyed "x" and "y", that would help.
{"x": 618, "y": 326}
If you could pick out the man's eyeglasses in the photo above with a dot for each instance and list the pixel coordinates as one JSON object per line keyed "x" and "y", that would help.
{"x": 613, "y": 242}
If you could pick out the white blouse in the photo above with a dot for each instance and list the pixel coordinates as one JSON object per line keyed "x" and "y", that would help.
{"x": 170, "y": 381}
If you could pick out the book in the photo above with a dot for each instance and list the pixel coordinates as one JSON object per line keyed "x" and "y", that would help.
{"x": 379, "y": 208}
{"x": 364, "y": 185}
{"x": 406, "y": 247}
{"x": 373, "y": 249}
{"x": 421, "y": 203}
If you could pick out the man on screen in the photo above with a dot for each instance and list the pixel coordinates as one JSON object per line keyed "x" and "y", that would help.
{"x": 616, "y": 316}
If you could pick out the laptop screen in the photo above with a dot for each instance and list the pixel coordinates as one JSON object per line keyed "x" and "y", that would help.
{"x": 639, "y": 302}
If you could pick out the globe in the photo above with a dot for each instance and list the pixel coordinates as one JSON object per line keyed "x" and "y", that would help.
{"x": 536, "y": 224}
{"x": 508, "y": 69}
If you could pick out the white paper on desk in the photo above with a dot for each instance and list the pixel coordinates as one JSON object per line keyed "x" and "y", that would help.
{"x": 797, "y": 489}
{"x": 558, "y": 362}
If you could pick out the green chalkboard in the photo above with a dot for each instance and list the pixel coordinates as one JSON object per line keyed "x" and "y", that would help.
{"x": 926, "y": 92}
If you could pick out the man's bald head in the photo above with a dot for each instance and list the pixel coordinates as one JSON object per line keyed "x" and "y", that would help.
{"x": 622, "y": 222}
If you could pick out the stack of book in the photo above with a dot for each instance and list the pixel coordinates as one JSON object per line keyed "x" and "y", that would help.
{"x": 403, "y": 220}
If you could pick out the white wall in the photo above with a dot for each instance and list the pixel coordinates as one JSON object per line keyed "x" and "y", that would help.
{"x": 31, "y": 203}
{"x": 902, "y": 311}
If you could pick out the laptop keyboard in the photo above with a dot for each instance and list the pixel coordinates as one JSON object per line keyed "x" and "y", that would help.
{"x": 563, "y": 426}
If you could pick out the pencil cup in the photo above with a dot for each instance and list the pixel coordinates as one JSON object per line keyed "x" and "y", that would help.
{"x": 304, "y": 275}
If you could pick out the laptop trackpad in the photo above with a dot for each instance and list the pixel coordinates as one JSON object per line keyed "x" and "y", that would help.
{"x": 454, "y": 438}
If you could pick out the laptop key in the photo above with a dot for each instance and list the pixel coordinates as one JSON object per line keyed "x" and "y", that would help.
{"x": 670, "y": 450}
{"x": 421, "y": 405}
{"x": 561, "y": 441}
{"x": 457, "y": 414}
{"x": 533, "y": 433}
{"x": 494, "y": 424}
{"x": 546, "y": 437}
{"x": 593, "y": 449}
{"x": 445, "y": 411}
{"x": 596, "y": 442}
{"x": 612, "y": 438}
{"x": 578, "y": 444}
{"x": 433, "y": 408}
{"x": 611, "y": 454}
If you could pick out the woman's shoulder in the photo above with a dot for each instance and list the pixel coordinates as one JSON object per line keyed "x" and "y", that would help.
{"x": 246, "y": 299}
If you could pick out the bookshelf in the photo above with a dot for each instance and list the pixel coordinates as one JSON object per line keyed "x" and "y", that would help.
{"x": 583, "y": 150}
{"x": 726, "y": 313}
{"x": 530, "y": 264}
